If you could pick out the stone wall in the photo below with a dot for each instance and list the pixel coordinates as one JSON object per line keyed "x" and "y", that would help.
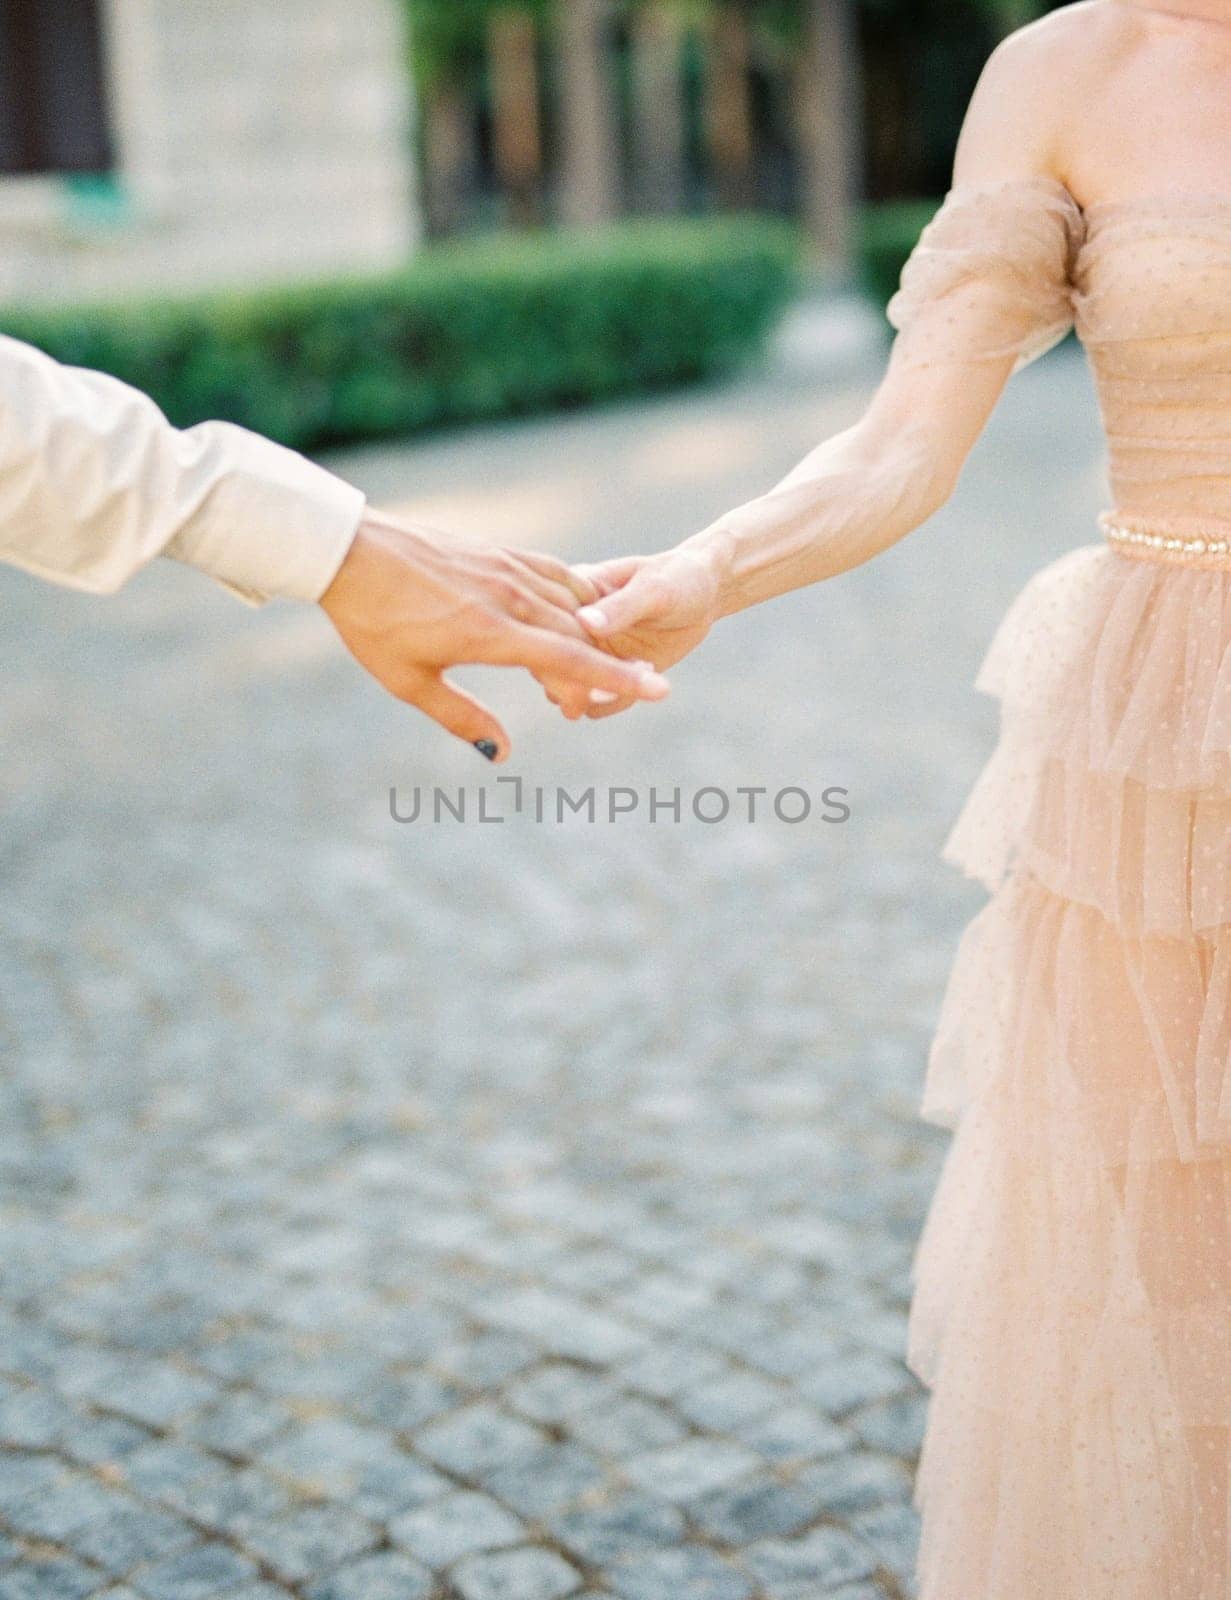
{"x": 254, "y": 142}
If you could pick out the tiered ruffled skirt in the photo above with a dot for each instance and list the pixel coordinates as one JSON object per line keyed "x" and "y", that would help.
{"x": 1072, "y": 1284}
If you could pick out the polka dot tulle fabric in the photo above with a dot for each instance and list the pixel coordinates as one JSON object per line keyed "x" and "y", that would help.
{"x": 1072, "y": 1283}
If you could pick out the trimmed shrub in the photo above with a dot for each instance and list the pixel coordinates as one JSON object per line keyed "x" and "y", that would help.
{"x": 888, "y": 233}
{"x": 464, "y": 332}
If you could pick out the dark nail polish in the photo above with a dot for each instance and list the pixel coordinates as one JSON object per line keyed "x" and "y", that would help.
{"x": 488, "y": 748}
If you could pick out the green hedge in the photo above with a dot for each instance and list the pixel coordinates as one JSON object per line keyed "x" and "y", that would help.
{"x": 466, "y": 331}
{"x": 888, "y": 232}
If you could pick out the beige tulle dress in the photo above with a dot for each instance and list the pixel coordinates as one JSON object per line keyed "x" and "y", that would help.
{"x": 1071, "y": 1312}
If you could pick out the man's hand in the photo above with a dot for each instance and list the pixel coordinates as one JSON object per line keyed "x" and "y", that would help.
{"x": 409, "y": 603}
{"x": 652, "y": 608}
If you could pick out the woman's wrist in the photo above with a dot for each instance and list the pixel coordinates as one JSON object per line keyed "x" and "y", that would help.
{"x": 716, "y": 547}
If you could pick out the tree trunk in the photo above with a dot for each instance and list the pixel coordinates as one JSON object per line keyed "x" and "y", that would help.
{"x": 450, "y": 158}
{"x": 591, "y": 177}
{"x": 728, "y": 105}
{"x": 828, "y": 115}
{"x": 659, "y": 134}
{"x": 517, "y": 144}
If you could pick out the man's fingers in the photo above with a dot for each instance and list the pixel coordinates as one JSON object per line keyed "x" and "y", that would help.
{"x": 461, "y": 714}
{"x": 612, "y": 708}
{"x": 563, "y": 597}
{"x": 551, "y": 656}
{"x": 575, "y": 580}
{"x": 521, "y": 600}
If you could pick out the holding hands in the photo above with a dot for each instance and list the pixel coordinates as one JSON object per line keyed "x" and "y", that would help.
{"x": 410, "y": 602}
{"x": 653, "y": 608}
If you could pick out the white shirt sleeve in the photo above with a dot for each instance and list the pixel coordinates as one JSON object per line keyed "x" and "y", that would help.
{"x": 95, "y": 482}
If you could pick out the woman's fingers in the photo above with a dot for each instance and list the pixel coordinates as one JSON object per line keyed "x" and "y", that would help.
{"x": 607, "y": 576}
{"x": 623, "y": 608}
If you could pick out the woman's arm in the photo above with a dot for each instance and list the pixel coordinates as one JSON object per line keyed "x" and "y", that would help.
{"x": 865, "y": 488}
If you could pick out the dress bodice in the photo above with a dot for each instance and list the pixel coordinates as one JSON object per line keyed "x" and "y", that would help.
{"x": 1009, "y": 267}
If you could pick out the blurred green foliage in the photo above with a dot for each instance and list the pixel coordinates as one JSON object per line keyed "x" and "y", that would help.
{"x": 448, "y": 37}
{"x": 888, "y": 231}
{"x": 468, "y": 331}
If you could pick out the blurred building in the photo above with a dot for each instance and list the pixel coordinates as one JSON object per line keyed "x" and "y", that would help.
{"x": 173, "y": 144}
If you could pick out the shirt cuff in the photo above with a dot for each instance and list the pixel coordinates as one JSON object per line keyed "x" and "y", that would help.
{"x": 272, "y": 525}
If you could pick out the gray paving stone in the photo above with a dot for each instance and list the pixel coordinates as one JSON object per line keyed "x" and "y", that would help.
{"x": 522, "y": 1574}
{"x": 103, "y": 1441}
{"x": 27, "y": 1477}
{"x": 171, "y": 1473}
{"x": 58, "y": 1510}
{"x": 405, "y": 1402}
{"x": 795, "y": 1433}
{"x": 151, "y": 1392}
{"x": 551, "y": 1478}
{"x": 626, "y": 1520}
{"x": 32, "y": 1418}
{"x": 255, "y": 1592}
{"x": 754, "y": 1509}
{"x": 128, "y": 1534}
{"x": 625, "y": 1425}
{"x": 453, "y": 1526}
{"x": 856, "y": 1482}
{"x": 241, "y": 1355}
{"x": 238, "y": 1424}
{"x": 239, "y": 1500}
{"x": 681, "y": 1472}
{"x": 855, "y": 1380}
{"x": 896, "y": 1425}
{"x": 722, "y": 1403}
{"x": 667, "y": 1574}
{"x": 665, "y": 1370}
{"x": 47, "y": 1579}
{"x": 360, "y": 1465}
{"x": 893, "y": 1532}
{"x": 197, "y": 1574}
{"x": 796, "y": 1569}
{"x": 559, "y": 1391}
{"x": 251, "y": 1591}
{"x": 386, "y": 1576}
{"x": 566, "y": 1326}
{"x": 478, "y": 1439}
{"x": 309, "y": 1542}
{"x": 794, "y": 1351}
{"x": 485, "y": 1358}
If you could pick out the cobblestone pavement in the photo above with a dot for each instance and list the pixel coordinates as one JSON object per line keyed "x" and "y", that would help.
{"x": 502, "y": 1211}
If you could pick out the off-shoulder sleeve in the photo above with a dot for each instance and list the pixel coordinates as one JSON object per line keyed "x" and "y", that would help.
{"x": 987, "y": 288}
{"x": 991, "y": 275}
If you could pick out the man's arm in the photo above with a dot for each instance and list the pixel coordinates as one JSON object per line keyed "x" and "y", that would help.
{"x": 95, "y": 483}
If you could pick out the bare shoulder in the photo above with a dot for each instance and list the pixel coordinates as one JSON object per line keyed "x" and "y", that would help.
{"x": 1027, "y": 103}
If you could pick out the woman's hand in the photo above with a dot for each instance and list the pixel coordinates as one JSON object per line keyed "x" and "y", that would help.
{"x": 651, "y": 608}
{"x": 409, "y": 603}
